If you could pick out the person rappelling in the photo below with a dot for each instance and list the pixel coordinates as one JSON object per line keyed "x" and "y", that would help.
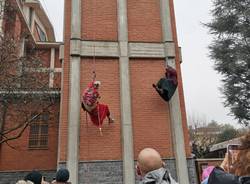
{"x": 166, "y": 86}
{"x": 97, "y": 111}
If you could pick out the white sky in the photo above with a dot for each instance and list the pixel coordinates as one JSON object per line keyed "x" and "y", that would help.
{"x": 201, "y": 82}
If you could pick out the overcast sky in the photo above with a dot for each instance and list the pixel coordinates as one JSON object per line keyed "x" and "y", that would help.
{"x": 202, "y": 96}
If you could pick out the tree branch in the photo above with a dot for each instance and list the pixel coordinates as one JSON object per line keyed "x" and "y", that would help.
{"x": 23, "y": 127}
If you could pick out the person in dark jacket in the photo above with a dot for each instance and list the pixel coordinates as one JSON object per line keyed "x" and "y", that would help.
{"x": 152, "y": 169}
{"x": 34, "y": 176}
{"x": 62, "y": 176}
{"x": 239, "y": 170}
{"x": 166, "y": 86}
{"x": 219, "y": 176}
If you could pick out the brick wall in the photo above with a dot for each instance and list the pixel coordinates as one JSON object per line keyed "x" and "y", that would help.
{"x": 99, "y": 20}
{"x": 92, "y": 145}
{"x": 144, "y": 23}
{"x": 151, "y": 120}
{"x": 44, "y": 56}
{"x": 58, "y": 63}
{"x": 58, "y": 75}
{"x": 20, "y": 157}
{"x": 11, "y": 23}
{"x": 65, "y": 88}
{"x": 13, "y": 177}
{"x": 110, "y": 172}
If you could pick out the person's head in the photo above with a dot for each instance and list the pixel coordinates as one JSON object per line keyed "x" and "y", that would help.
{"x": 62, "y": 175}
{"x": 242, "y": 166}
{"x": 97, "y": 84}
{"x": 34, "y": 176}
{"x": 148, "y": 160}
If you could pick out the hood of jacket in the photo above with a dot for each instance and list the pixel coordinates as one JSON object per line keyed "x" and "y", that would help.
{"x": 219, "y": 176}
{"x": 159, "y": 176}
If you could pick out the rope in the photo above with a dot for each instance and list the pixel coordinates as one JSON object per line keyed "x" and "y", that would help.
{"x": 94, "y": 65}
{"x": 94, "y": 35}
{"x": 99, "y": 122}
{"x": 87, "y": 175}
{"x": 93, "y": 78}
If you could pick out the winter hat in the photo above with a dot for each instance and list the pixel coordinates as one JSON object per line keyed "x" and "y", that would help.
{"x": 62, "y": 175}
{"x": 34, "y": 176}
{"x": 206, "y": 172}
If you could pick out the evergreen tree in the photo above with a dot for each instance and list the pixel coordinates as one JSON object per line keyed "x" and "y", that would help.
{"x": 230, "y": 51}
{"x": 228, "y": 133}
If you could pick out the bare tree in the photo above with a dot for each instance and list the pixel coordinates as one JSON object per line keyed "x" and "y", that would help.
{"x": 24, "y": 91}
{"x": 202, "y": 133}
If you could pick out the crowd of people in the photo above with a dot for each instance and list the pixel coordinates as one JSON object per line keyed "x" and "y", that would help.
{"x": 35, "y": 177}
{"x": 152, "y": 169}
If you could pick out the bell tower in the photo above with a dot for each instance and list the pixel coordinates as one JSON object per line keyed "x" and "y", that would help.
{"x": 127, "y": 43}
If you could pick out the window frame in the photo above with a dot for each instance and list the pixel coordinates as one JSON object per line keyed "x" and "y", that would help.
{"x": 41, "y": 33}
{"x": 38, "y": 137}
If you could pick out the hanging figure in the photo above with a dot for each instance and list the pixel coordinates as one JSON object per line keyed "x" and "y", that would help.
{"x": 97, "y": 112}
{"x": 166, "y": 86}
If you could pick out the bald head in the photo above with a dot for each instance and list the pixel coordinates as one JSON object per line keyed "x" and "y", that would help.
{"x": 149, "y": 160}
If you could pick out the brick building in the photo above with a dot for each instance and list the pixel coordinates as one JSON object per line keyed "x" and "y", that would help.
{"x": 127, "y": 43}
{"x": 28, "y": 24}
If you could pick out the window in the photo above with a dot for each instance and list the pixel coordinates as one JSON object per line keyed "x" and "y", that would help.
{"x": 38, "y": 138}
{"x": 41, "y": 33}
{"x": 30, "y": 16}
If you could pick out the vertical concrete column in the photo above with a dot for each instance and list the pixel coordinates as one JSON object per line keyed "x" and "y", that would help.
{"x": 20, "y": 64}
{"x": 127, "y": 134}
{"x": 174, "y": 104}
{"x": 52, "y": 67}
{"x": 74, "y": 93}
{"x": 61, "y": 57}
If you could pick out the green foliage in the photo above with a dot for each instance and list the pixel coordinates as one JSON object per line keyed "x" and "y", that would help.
{"x": 230, "y": 51}
{"x": 228, "y": 133}
{"x": 204, "y": 136}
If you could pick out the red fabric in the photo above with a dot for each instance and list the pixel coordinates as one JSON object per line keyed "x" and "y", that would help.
{"x": 171, "y": 74}
{"x": 103, "y": 112}
{"x": 90, "y": 94}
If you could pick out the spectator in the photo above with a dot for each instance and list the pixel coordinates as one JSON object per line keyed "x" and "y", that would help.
{"x": 152, "y": 169}
{"x": 205, "y": 174}
{"x": 240, "y": 168}
{"x": 62, "y": 177}
{"x": 34, "y": 176}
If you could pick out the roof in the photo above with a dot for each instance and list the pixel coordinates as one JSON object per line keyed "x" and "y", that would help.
{"x": 49, "y": 44}
{"x": 223, "y": 145}
{"x": 36, "y": 5}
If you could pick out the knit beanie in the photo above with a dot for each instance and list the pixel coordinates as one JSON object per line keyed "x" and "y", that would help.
{"x": 34, "y": 176}
{"x": 62, "y": 175}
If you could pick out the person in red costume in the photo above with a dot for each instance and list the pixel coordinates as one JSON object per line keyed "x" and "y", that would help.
{"x": 97, "y": 111}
